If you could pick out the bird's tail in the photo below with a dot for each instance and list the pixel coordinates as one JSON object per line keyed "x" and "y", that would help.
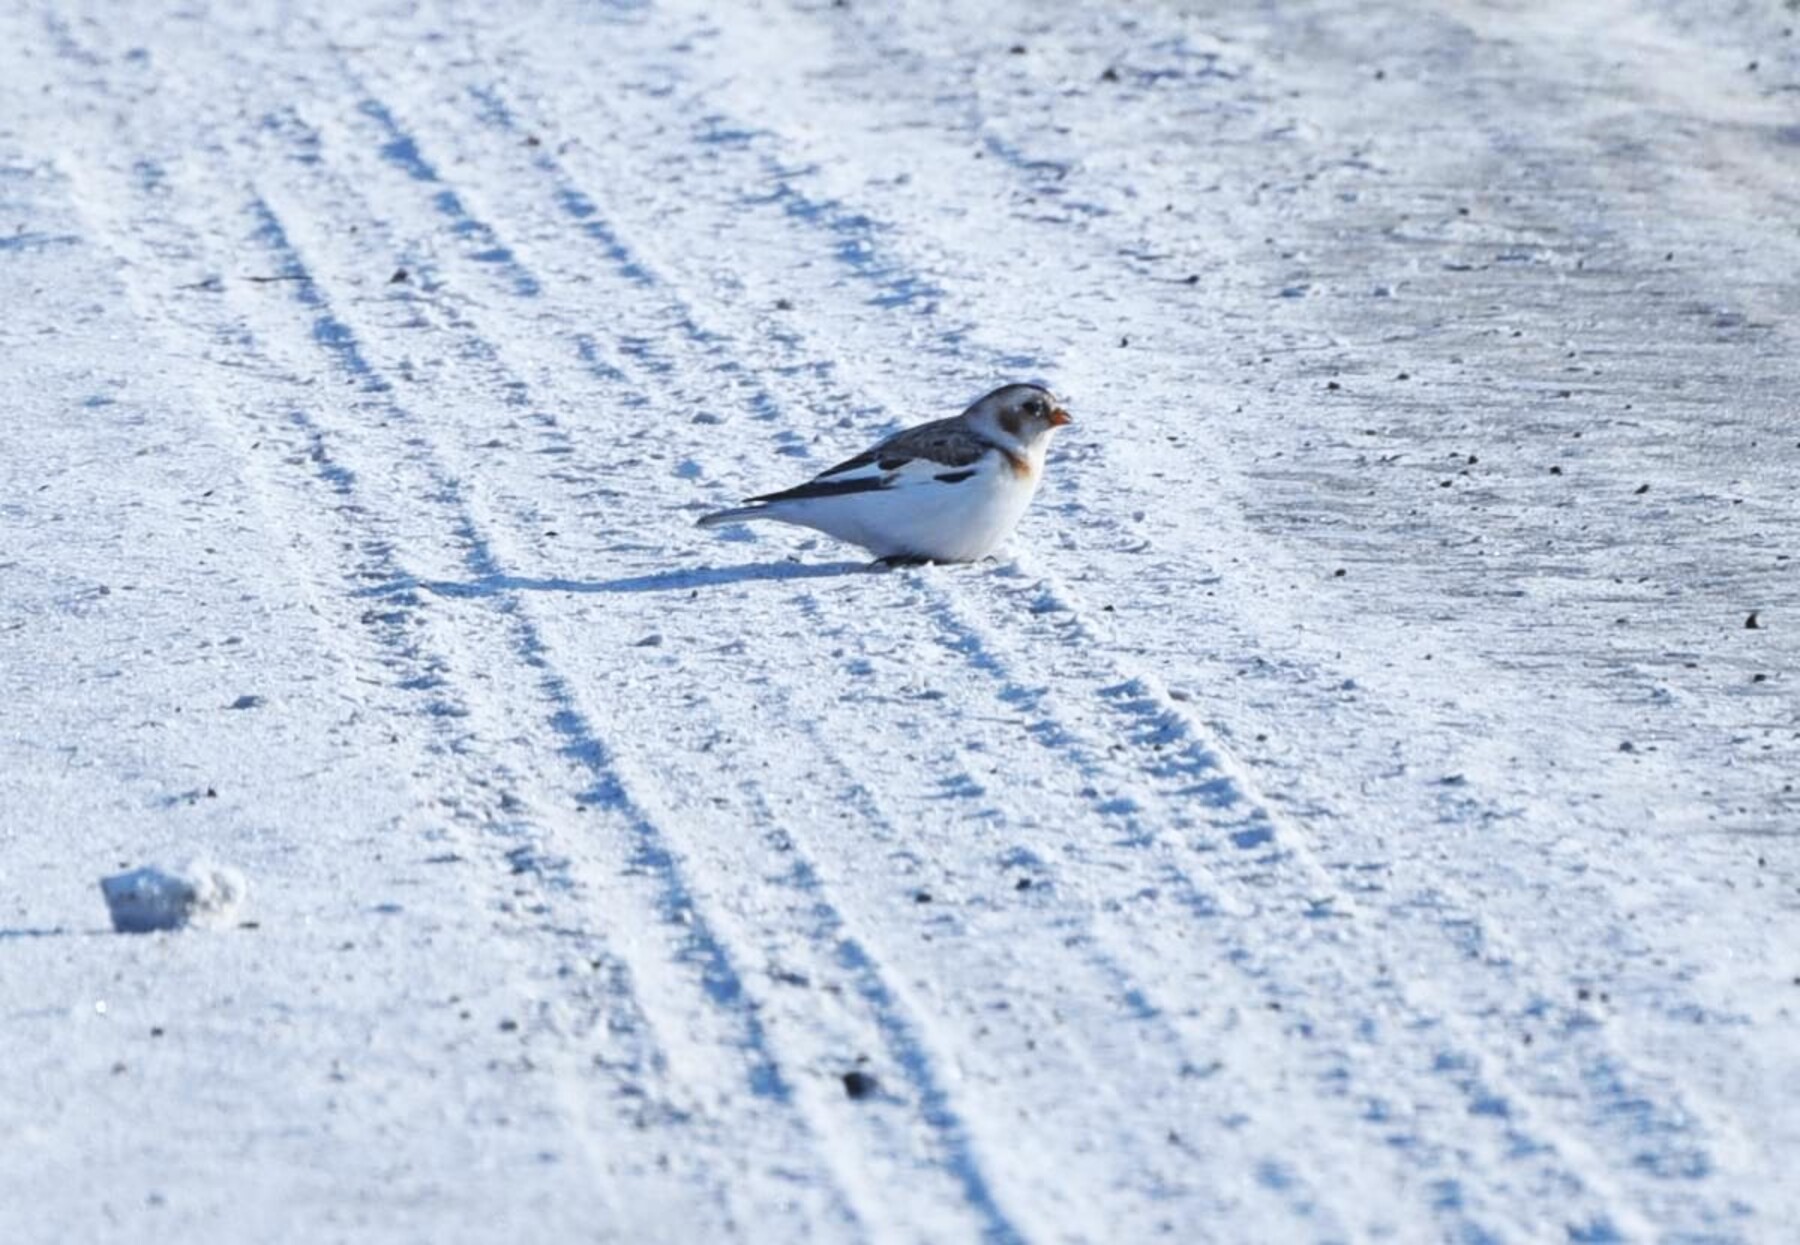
{"x": 737, "y": 514}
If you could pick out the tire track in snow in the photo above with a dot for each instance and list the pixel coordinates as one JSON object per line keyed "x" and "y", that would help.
{"x": 674, "y": 906}
{"x": 696, "y": 946}
{"x": 1282, "y": 897}
{"x": 1251, "y": 1169}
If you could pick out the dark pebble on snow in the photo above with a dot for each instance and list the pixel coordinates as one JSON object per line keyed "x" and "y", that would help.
{"x": 860, "y": 1084}
{"x": 1753, "y": 623}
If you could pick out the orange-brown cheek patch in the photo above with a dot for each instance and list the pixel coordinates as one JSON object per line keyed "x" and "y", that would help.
{"x": 1021, "y": 466}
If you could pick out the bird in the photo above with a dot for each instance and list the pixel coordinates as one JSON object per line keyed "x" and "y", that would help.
{"x": 946, "y": 491}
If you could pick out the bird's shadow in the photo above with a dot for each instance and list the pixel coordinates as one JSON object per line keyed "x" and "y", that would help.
{"x": 685, "y": 580}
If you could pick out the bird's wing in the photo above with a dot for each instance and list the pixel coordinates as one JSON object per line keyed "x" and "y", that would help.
{"x": 946, "y": 442}
{"x": 942, "y": 450}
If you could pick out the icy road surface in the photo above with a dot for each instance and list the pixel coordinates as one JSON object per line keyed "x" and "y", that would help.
{"x": 1361, "y": 806}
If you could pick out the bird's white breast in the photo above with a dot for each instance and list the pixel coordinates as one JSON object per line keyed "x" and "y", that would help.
{"x": 921, "y": 516}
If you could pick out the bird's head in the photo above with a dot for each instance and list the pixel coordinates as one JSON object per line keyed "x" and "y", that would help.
{"x": 1020, "y": 414}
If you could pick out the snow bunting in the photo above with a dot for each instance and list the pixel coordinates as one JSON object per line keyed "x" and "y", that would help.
{"x": 947, "y": 491}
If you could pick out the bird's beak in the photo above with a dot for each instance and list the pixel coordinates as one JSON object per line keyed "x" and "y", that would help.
{"x": 1059, "y": 417}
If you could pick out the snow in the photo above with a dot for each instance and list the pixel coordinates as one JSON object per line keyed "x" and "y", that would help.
{"x": 149, "y": 899}
{"x": 1355, "y": 808}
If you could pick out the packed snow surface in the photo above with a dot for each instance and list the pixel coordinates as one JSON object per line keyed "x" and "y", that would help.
{"x": 1361, "y": 803}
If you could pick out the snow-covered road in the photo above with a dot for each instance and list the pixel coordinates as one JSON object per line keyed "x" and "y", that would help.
{"x": 1362, "y": 805}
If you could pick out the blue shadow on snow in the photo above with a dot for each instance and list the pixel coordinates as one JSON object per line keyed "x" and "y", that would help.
{"x": 664, "y": 581}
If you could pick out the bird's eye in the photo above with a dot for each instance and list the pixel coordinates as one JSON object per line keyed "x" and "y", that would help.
{"x": 1036, "y": 407}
